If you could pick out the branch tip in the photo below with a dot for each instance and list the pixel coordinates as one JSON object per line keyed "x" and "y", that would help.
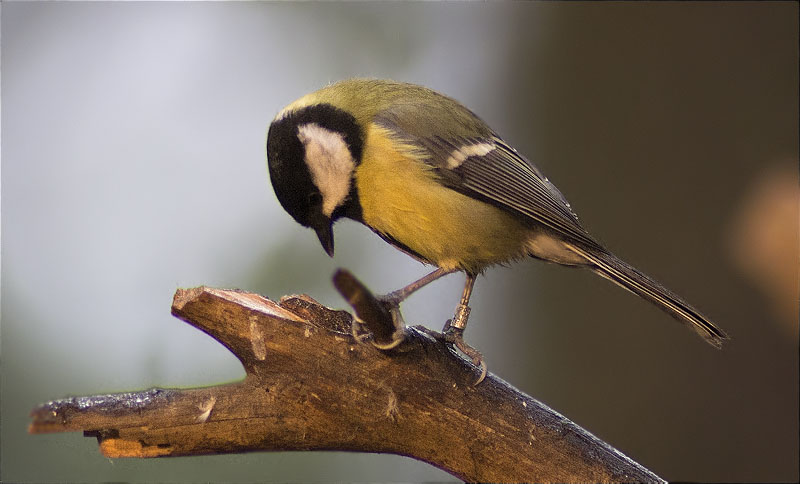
{"x": 372, "y": 311}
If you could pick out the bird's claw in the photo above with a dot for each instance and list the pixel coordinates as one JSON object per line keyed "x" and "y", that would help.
{"x": 455, "y": 336}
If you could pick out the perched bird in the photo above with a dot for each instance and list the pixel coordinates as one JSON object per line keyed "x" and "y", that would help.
{"x": 432, "y": 179}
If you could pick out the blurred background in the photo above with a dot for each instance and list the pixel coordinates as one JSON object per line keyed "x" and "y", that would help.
{"x": 133, "y": 164}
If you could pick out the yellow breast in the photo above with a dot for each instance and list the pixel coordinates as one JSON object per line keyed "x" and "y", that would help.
{"x": 401, "y": 197}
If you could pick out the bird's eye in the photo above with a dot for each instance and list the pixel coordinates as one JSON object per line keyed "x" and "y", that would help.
{"x": 314, "y": 199}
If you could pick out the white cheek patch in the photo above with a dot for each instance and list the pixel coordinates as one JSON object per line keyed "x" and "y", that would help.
{"x": 458, "y": 156}
{"x": 329, "y": 160}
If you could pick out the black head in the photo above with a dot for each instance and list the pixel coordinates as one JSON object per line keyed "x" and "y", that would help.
{"x": 312, "y": 153}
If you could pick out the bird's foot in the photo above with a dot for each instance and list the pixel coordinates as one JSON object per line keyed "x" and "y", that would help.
{"x": 399, "y": 333}
{"x": 393, "y": 299}
{"x": 359, "y": 332}
{"x": 453, "y": 333}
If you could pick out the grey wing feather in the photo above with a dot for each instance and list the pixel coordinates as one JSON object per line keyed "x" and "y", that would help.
{"x": 501, "y": 177}
{"x": 509, "y": 181}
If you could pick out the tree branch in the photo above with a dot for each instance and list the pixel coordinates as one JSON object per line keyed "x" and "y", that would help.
{"x": 311, "y": 386}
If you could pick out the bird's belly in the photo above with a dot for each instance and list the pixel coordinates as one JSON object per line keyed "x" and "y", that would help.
{"x": 401, "y": 198}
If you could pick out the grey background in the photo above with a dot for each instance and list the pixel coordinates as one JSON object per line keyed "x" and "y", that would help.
{"x": 133, "y": 164}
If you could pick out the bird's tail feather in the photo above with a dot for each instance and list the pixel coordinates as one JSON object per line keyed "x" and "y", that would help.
{"x": 612, "y": 268}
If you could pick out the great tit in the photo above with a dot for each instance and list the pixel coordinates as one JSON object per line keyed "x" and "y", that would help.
{"x": 433, "y": 180}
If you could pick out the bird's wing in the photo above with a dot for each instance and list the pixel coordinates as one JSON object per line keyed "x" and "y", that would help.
{"x": 491, "y": 170}
{"x": 483, "y": 166}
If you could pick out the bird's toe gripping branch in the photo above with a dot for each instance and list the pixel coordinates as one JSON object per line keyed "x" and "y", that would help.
{"x": 453, "y": 333}
{"x": 381, "y": 317}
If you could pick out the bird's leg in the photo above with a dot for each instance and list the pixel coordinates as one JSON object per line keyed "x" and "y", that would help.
{"x": 394, "y": 298}
{"x": 454, "y": 328}
{"x": 392, "y": 302}
{"x": 459, "y": 321}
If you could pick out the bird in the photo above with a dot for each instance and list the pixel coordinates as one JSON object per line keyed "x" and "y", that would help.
{"x": 432, "y": 179}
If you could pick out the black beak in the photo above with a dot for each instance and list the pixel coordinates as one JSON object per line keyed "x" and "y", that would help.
{"x": 324, "y": 229}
